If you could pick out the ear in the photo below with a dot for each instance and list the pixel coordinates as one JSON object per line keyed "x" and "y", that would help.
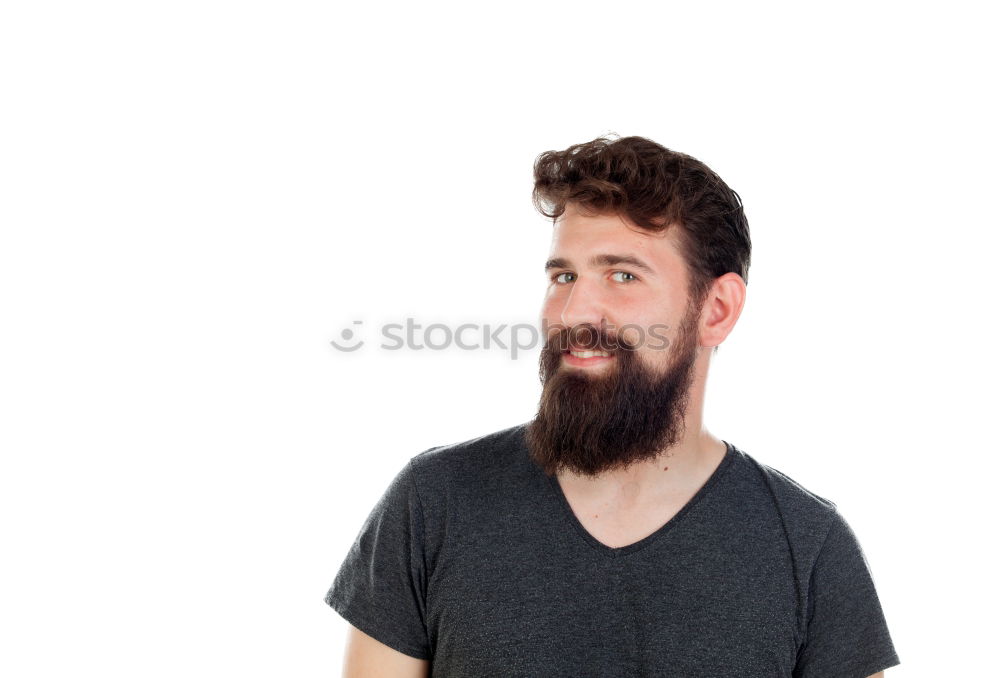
{"x": 722, "y": 308}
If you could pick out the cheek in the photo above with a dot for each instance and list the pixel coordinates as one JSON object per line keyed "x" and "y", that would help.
{"x": 633, "y": 334}
{"x": 551, "y": 321}
{"x": 656, "y": 361}
{"x": 552, "y": 306}
{"x": 653, "y": 336}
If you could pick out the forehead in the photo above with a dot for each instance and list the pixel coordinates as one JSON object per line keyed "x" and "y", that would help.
{"x": 577, "y": 237}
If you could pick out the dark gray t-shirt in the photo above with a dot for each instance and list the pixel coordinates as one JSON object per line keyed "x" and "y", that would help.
{"x": 474, "y": 560}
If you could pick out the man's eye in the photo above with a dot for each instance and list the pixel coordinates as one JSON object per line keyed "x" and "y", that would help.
{"x": 623, "y": 276}
{"x": 563, "y": 277}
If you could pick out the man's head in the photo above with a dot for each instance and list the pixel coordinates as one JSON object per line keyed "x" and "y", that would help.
{"x": 649, "y": 261}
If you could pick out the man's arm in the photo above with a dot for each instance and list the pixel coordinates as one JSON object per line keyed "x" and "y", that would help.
{"x": 880, "y": 674}
{"x": 368, "y": 658}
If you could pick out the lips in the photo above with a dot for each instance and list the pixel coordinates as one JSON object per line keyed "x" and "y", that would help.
{"x": 600, "y": 349}
{"x": 588, "y": 354}
{"x": 587, "y": 357}
{"x": 585, "y": 345}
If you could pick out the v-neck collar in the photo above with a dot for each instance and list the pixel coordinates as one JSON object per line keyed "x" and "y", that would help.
{"x": 614, "y": 552}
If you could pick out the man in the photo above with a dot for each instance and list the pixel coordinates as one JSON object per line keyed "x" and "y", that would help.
{"x": 613, "y": 535}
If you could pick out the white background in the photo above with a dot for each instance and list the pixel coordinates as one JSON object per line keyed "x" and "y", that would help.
{"x": 198, "y": 196}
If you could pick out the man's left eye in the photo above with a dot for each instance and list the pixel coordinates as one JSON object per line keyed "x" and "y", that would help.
{"x": 621, "y": 276}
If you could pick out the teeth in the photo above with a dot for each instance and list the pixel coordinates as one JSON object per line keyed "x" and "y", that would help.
{"x": 590, "y": 354}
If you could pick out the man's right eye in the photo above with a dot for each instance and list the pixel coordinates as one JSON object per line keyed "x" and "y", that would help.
{"x": 561, "y": 278}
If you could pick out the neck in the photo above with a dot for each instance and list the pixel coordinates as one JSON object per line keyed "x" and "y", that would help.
{"x": 677, "y": 470}
{"x": 687, "y": 464}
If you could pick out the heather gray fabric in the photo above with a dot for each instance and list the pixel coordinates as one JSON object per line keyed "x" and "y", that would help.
{"x": 474, "y": 560}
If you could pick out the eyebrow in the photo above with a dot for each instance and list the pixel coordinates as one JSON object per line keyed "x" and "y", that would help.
{"x": 603, "y": 260}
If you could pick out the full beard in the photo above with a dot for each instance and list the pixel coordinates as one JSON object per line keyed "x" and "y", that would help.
{"x": 593, "y": 423}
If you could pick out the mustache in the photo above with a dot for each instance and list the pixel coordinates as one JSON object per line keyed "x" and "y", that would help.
{"x": 587, "y": 337}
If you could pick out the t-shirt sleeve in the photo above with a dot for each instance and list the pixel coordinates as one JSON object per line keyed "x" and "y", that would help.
{"x": 847, "y": 635}
{"x": 381, "y": 585}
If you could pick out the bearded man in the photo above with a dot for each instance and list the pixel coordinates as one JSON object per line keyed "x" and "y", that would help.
{"x": 613, "y": 535}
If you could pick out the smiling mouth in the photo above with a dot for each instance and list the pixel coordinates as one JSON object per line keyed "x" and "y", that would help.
{"x": 586, "y": 358}
{"x": 589, "y": 354}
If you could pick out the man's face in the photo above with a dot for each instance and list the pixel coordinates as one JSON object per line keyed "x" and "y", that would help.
{"x": 622, "y": 340}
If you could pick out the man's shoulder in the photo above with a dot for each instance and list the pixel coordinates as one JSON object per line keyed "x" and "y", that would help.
{"x": 790, "y": 489}
{"x": 476, "y": 448}
{"x": 800, "y": 508}
{"x": 472, "y": 459}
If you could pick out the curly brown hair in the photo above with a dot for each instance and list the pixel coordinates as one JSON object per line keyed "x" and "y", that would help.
{"x": 655, "y": 188}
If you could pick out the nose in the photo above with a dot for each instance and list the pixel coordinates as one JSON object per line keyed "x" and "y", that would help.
{"x": 585, "y": 304}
